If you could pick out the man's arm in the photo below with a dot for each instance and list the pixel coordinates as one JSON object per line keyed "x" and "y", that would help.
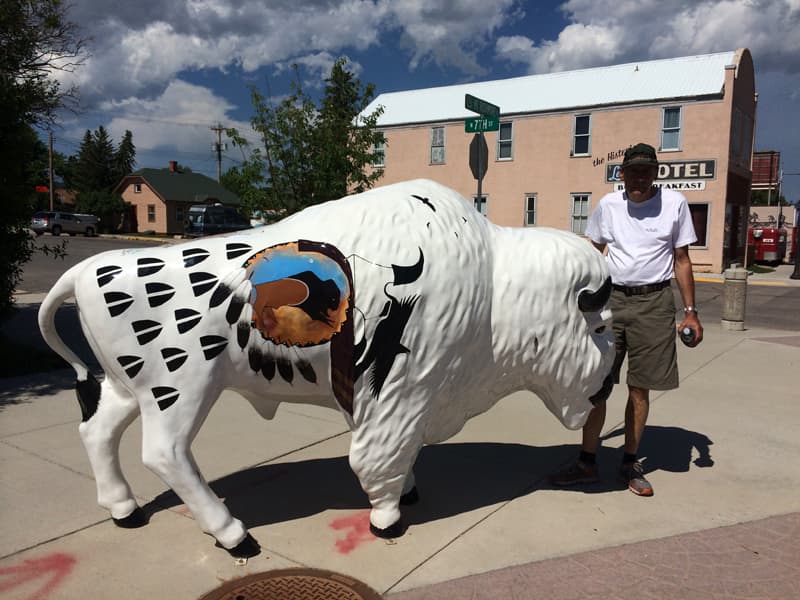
{"x": 685, "y": 279}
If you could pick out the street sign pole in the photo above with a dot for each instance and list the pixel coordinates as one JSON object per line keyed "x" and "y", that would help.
{"x": 490, "y": 114}
{"x": 480, "y": 173}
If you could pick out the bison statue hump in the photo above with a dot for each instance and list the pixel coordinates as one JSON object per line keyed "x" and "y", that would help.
{"x": 402, "y": 307}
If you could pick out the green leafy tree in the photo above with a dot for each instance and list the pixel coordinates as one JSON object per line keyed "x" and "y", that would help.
{"x": 105, "y": 205}
{"x": 310, "y": 154}
{"x": 344, "y": 151}
{"x": 35, "y": 41}
{"x": 247, "y": 182}
{"x": 764, "y": 198}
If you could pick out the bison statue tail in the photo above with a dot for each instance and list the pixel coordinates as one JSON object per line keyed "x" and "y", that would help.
{"x": 63, "y": 290}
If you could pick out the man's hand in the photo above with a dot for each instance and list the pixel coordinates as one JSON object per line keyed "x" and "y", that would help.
{"x": 693, "y": 322}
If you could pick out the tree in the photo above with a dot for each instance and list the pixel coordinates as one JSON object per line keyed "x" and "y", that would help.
{"x": 125, "y": 157}
{"x": 95, "y": 172}
{"x": 344, "y": 150}
{"x": 764, "y": 198}
{"x": 95, "y": 169}
{"x": 311, "y": 154}
{"x": 247, "y": 182}
{"x": 35, "y": 40}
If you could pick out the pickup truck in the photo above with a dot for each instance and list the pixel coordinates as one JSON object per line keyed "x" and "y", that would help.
{"x": 62, "y": 222}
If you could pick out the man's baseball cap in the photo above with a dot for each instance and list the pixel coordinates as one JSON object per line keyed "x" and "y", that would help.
{"x": 640, "y": 154}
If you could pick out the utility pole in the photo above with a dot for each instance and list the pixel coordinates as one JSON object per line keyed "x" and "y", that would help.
{"x": 218, "y": 149}
{"x": 51, "y": 171}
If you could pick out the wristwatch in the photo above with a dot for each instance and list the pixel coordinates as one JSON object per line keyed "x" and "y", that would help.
{"x": 688, "y": 309}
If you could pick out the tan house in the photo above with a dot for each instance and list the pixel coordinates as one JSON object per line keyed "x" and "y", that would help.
{"x": 160, "y": 198}
{"x": 560, "y": 138}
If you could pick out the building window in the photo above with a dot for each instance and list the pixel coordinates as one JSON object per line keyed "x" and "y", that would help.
{"x": 480, "y": 204}
{"x": 671, "y": 128}
{"x": 580, "y": 212}
{"x": 137, "y": 188}
{"x": 530, "y": 210}
{"x": 151, "y": 213}
{"x": 582, "y": 138}
{"x": 437, "y": 145}
{"x": 505, "y": 142}
{"x": 699, "y": 212}
{"x": 379, "y": 151}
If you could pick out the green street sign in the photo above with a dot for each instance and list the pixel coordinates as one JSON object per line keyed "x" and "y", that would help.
{"x": 478, "y": 124}
{"x": 482, "y": 107}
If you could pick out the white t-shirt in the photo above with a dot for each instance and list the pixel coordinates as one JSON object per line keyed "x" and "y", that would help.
{"x": 641, "y": 237}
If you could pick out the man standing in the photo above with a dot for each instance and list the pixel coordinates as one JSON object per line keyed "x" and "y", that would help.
{"x": 647, "y": 232}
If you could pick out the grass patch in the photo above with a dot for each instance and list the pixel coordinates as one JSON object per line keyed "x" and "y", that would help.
{"x": 760, "y": 270}
{"x": 18, "y": 359}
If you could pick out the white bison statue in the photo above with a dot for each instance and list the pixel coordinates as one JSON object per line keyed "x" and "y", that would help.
{"x": 401, "y": 307}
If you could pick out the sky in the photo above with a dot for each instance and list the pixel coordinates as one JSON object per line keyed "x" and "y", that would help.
{"x": 169, "y": 71}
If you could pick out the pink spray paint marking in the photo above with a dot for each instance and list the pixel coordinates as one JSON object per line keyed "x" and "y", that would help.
{"x": 53, "y": 568}
{"x": 358, "y": 526}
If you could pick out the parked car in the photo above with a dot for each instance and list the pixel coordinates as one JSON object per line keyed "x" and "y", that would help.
{"x": 208, "y": 219}
{"x": 57, "y": 223}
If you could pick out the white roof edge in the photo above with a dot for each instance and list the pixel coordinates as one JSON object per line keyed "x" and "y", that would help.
{"x": 667, "y": 79}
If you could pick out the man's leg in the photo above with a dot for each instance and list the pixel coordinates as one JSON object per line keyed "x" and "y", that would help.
{"x": 636, "y": 412}
{"x": 590, "y": 440}
{"x": 584, "y": 470}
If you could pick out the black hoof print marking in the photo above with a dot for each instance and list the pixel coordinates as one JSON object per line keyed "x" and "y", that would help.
{"x": 247, "y": 548}
{"x": 137, "y": 518}
{"x": 395, "y": 530}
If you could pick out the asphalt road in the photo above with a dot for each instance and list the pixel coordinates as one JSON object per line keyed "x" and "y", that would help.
{"x": 43, "y": 271}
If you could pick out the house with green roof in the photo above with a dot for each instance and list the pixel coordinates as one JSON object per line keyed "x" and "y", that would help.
{"x": 160, "y": 198}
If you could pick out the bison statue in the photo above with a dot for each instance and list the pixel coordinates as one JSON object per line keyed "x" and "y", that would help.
{"x": 402, "y": 307}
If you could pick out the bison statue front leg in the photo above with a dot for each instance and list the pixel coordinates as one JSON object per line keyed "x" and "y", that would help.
{"x": 383, "y": 450}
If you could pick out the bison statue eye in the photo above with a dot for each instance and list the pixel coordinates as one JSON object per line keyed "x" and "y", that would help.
{"x": 594, "y": 301}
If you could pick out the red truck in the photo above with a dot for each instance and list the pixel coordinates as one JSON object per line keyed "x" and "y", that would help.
{"x": 768, "y": 243}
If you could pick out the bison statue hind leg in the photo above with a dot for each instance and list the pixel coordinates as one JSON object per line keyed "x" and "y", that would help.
{"x": 105, "y": 418}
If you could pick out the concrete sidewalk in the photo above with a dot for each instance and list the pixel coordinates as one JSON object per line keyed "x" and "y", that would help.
{"x": 721, "y": 452}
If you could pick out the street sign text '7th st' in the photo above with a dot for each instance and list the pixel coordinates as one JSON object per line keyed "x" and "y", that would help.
{"x": 478, "y": 124}
{"x": 482, "y": 107}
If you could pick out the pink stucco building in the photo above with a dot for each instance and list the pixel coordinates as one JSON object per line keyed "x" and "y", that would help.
{"x": 561, "y": 137}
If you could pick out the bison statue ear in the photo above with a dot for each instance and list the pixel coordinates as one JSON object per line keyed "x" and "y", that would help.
{"x": 594, "y": 301}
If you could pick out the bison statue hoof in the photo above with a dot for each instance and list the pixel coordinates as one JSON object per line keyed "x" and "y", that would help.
{"x": 247, "y": 548}
{"x": 395, "y": 530}
{"x": 137, "y": 518}
{"x": 410, "y": 497}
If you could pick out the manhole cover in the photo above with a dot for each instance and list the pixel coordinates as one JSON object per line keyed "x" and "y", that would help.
{"x": 294, "y": 584}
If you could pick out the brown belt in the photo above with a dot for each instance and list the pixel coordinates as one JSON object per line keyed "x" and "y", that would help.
{"x": 638, "y": 290}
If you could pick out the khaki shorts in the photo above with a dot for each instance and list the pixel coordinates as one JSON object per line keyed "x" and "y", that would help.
{"x": 644, "y": 327}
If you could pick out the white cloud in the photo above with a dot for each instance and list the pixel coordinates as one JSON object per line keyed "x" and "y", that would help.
{"x": 180, "y": 118}
{"x": 450, "y": 34}
{"x": 318, "y": 66}
{"x": 611, "y": 31}
{"x": 137, "y": 49}
{"x": 603, "y": 32}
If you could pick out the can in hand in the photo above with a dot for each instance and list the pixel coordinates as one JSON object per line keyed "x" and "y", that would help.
{"x": 687, "y": 335}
